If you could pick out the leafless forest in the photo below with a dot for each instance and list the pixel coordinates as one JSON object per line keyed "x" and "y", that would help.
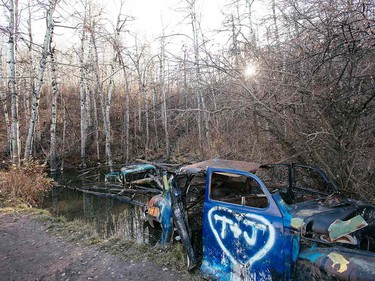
{"x": 112, "y": 97}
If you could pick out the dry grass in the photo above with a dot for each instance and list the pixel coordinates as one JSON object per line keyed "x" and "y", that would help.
{"x": 171, "y": 256}
{"x": 26, "y": 184}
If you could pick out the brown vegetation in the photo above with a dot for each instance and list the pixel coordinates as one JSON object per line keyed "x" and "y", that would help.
{"x": 311, "y": 99}
{"x": 25, "y": 184}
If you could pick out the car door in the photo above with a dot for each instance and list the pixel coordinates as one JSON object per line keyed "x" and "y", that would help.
{"x": 242, "y": 228}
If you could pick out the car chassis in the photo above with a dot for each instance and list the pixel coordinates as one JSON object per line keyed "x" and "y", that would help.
{"x": 247, "y": 221}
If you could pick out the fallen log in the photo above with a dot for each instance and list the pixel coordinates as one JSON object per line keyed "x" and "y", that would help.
{"x": 120, "y": 198}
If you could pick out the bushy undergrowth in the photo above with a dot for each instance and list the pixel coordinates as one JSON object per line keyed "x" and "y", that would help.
{"x": 25, "y": 184}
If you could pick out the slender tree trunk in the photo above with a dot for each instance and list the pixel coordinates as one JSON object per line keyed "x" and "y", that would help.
{"x": 83, "y": 96}
{"x": 106, "y": 102}
{"x": 87, "y": 103}
{"x": 107, "y": 121}
{"x": 36, "y": 94}
{"x": 55, "y": 94}
{"x": 127, "y": 116}
{"x": 202, "y": 113}
{"x": 274, "y": 17}
{"x": 88, "y": 69}
{"x": 196, "y": 86}
{"x": 147, "y": 126}
{"x": 140, "y": 87}
{"x": 3, "y": 99}
{"x": 163, "y": 95}
{"x": 63, "y": 136}
{"x": 154, "y": 100}
{"x": 236, "y": 50}
{"x": 96, "y": 89}
{"x": 127, "y": 107}
{"x": 15, "y": 150}
{"x": 141, "y": 93}
{"x": 139, "y": 102}
{"x": 252, "y": 38}
{"x": 96, "y": 123}
{"x": 7, "y": 122}
{"x": 185, "y": 87}
{"x": 31, "y": 68}
{"x": 215, "y": 120}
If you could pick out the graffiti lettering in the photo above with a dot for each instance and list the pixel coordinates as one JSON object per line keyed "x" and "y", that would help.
{"x": 250, "y": 230}
{"x": 236, "y": 230}
{"x": 225, "y": 222}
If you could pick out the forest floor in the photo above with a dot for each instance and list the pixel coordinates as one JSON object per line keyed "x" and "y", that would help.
{"x": 30, "y": 249}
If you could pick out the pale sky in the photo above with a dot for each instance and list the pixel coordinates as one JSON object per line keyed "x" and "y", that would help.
{"x": 147, "y": 15}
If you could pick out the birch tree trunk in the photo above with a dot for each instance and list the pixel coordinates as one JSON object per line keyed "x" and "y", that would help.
{"x": 55, "y": 93}
{"x": 140, "y": 87}
{"x": 117, "y": 53}
{"x": 127, "y": 115}
{"x": 96, "y": 123}
{"x": 163, "y": 95}
{"x": 107, "y": 121}
{"x": 197, "y": 88}
{"x": 274, "y": 18}
{"x": 42, "y": 67}
{"x": 3, "y": 98}
{"x": 31, "y": 67}
{"x": 6, "y": 119}
{"x": 62, "y": 153}
{"x": 87, "y": 103}
{"x": 96, "y": 89}
{"x": 154, "y": 99}
{"x": 252, "y": 38}
{"x": 83, "y": 123}
{"x": 147, "y": 126}
{"x": 185, "y": 85}
{"x": 15, "y": 149}
{"x": 202, "y": 113}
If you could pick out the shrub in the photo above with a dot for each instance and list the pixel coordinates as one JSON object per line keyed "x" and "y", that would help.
{"x": 27, "y": 184}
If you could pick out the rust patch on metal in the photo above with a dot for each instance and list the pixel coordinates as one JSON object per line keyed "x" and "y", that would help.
{"x": 220, "y": 163}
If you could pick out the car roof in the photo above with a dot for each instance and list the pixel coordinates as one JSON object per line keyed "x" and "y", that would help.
{"x": 219, "y": 163}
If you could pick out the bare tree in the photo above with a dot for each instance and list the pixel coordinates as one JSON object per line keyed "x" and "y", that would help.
{"x": 42, "y": 67}
{"x": 82, "y": 89}
{"x": 55, "y": 94}
{"x": 15, "y": 149}
{"x": 107, "y": 120}
{"x": 6, "y": 118}
{"x": 163, "y": 95}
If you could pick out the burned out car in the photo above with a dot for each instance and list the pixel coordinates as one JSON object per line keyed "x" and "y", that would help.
{"x": 131, "y": 173}
{"x": 247, "y": 221}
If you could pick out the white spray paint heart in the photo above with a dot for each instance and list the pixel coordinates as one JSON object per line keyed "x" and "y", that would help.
{"x": 245, "y": 229}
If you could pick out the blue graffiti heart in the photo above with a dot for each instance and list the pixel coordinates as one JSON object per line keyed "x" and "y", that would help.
{"x": 244, "y": 238}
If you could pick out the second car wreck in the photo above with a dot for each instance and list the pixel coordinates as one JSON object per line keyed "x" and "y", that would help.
{"x": 247, "y": 221}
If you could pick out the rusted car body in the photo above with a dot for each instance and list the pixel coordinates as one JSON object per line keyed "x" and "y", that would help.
{"x": 247, "y": 221}
{"x": 131, "y": 173}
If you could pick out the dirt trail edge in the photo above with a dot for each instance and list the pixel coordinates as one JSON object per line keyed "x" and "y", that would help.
{"x": 29, "y": 252}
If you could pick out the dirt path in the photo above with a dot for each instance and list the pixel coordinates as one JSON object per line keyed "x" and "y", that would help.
{"x": 29, "y": 252}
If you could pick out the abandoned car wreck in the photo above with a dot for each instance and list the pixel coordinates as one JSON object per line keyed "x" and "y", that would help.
{"x": 247, "y": 221}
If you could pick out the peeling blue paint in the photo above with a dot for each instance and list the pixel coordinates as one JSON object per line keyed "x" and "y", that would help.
{"x": 242, "y": 242}
{"x": 129, "y": 173}
{"x": 311, "y": 254}
{"x": 256, "y": 235}
{"x": 343, "y": 263}
{"x": 162, "y": 205}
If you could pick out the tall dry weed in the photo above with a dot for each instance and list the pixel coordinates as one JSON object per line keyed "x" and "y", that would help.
{"x": 27, "y": 184}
